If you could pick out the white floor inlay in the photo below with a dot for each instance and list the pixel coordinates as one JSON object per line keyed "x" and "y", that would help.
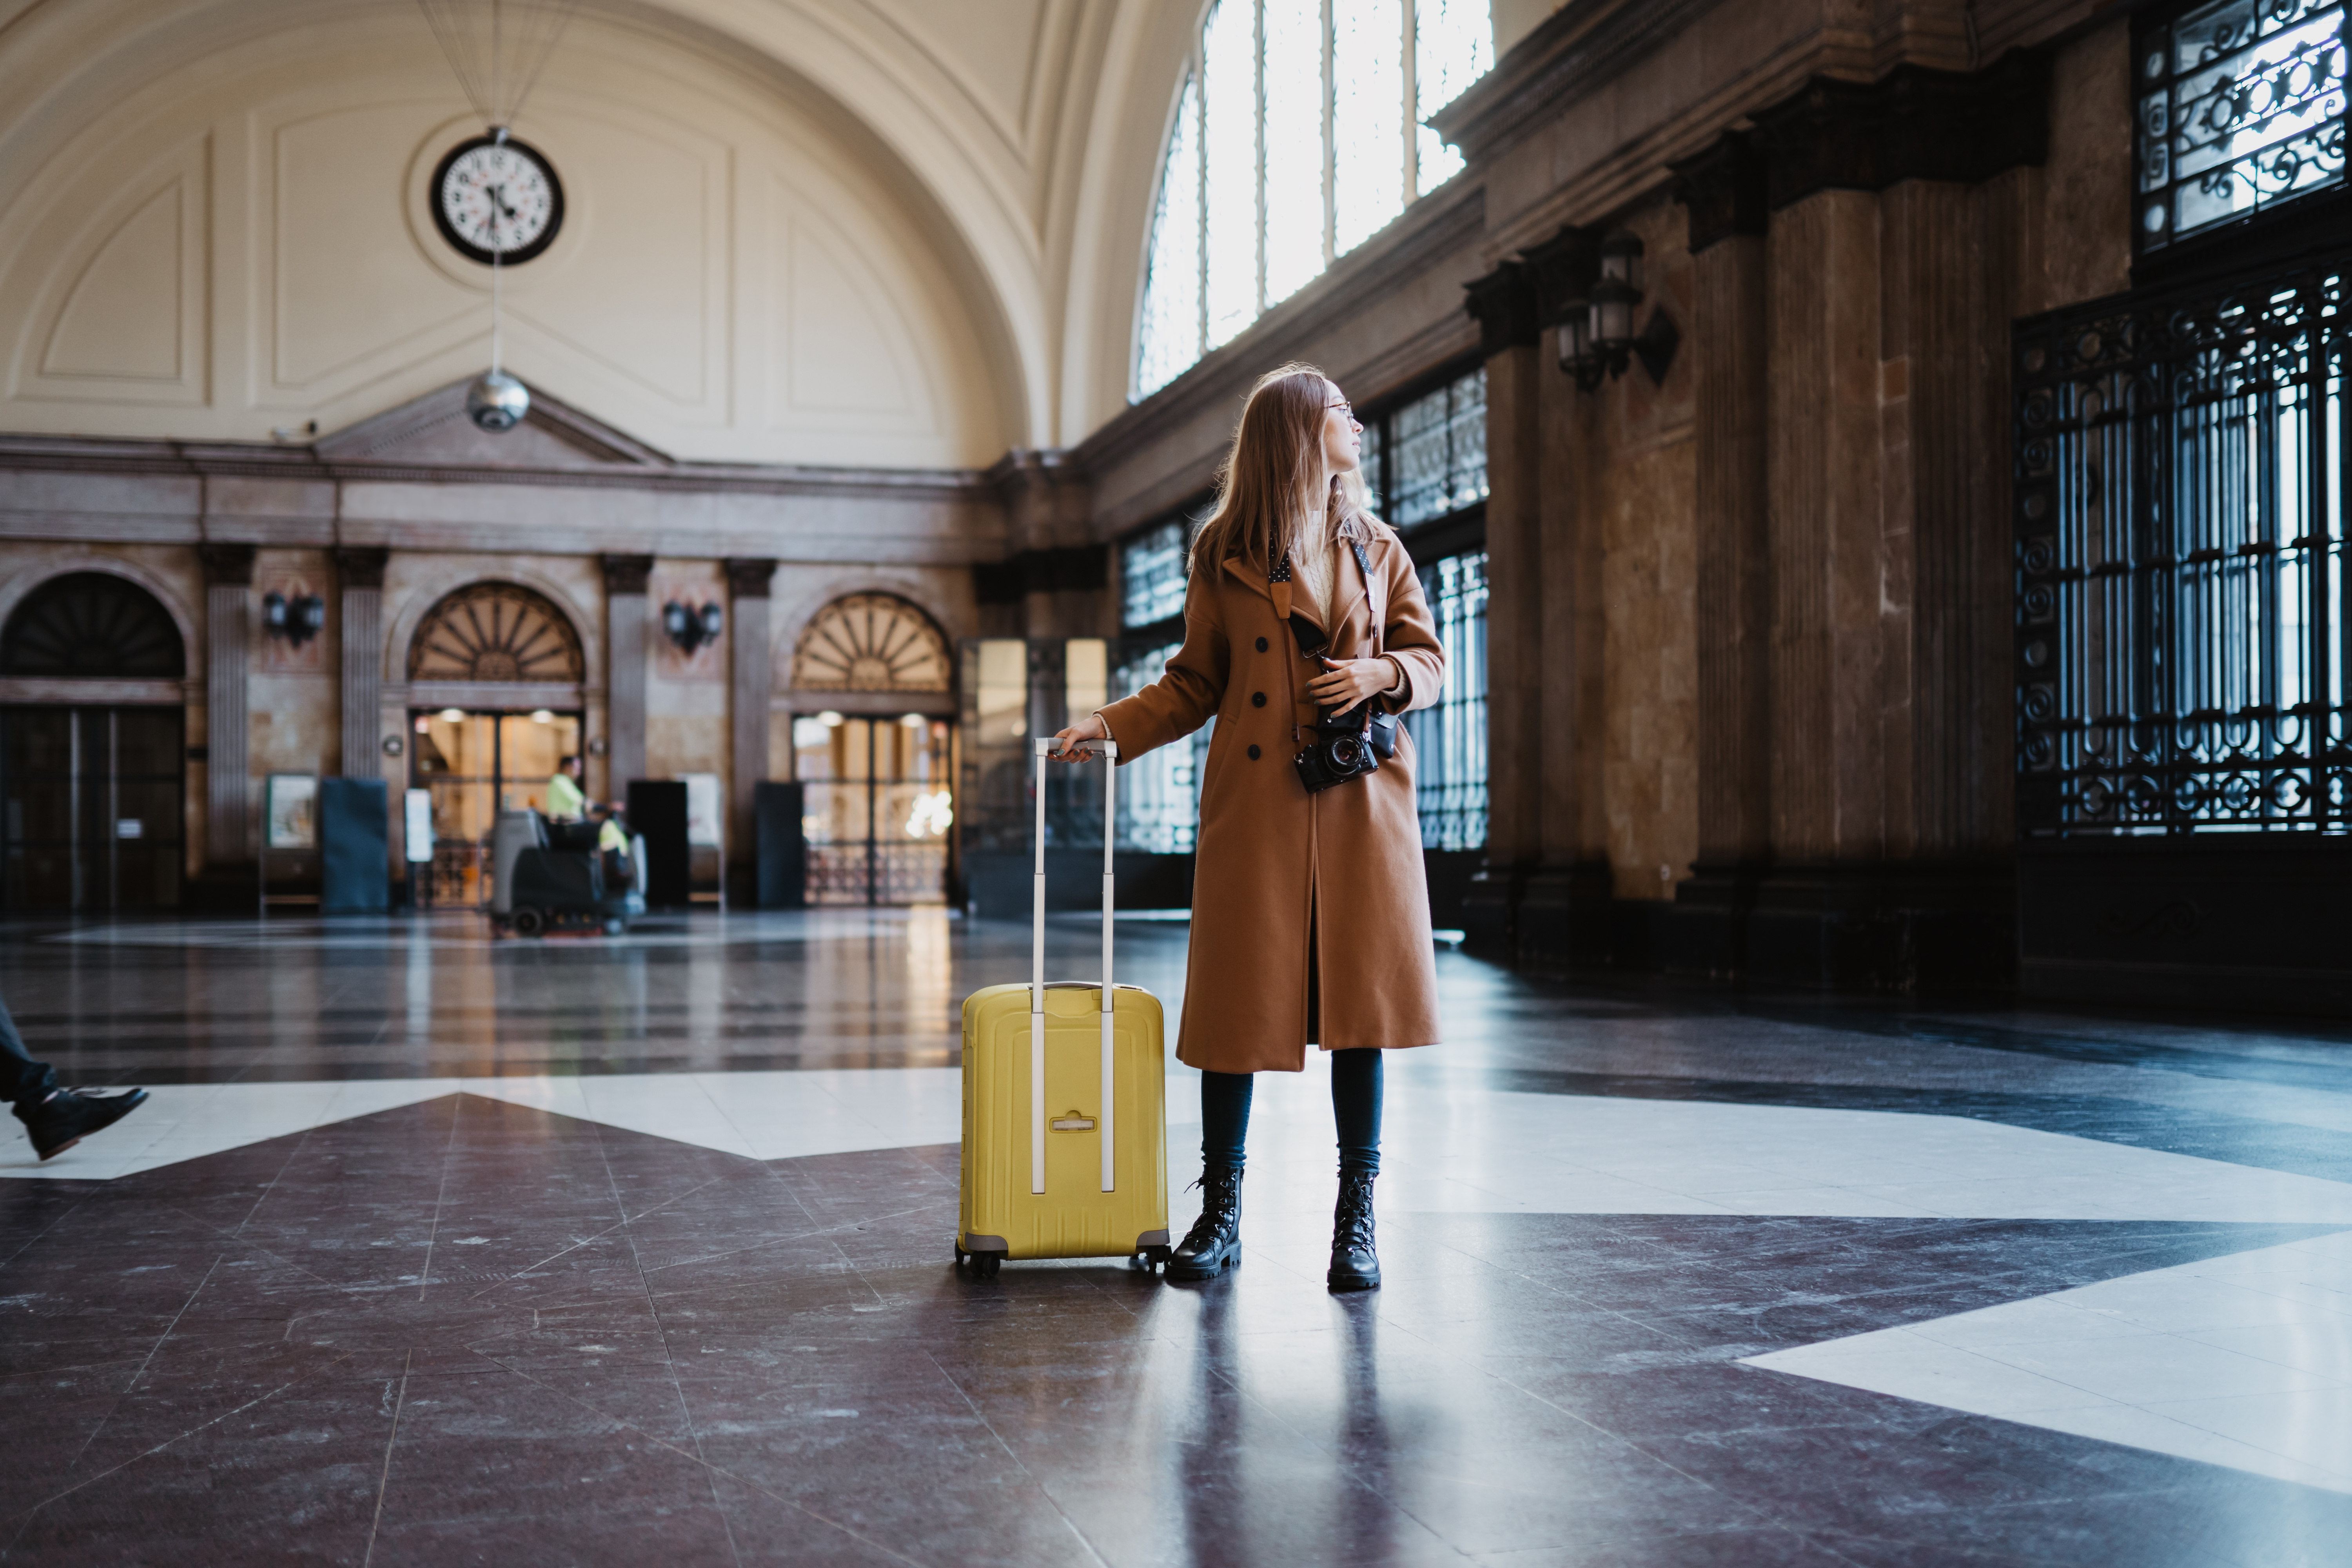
{"x": 2244, "y": 1361}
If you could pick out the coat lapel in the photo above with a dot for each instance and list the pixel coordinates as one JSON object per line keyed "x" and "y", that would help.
{"x": 1241, "y": 573}
{"x": 1353, "y": 584}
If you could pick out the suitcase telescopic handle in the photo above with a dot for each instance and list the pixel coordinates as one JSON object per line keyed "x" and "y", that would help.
{"x": 1109, "y": 752}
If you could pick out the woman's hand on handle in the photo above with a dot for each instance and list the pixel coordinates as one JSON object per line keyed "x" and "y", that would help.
{"x": 1067, "y": 743}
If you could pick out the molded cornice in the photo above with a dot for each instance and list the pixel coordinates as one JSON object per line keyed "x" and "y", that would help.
{"x": 1580, "y": 46}
{"x": 229, "y": 459}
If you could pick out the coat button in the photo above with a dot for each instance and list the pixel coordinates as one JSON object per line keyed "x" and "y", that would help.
{"x": 1257, "y": 699}
{"x": 1261, "y": 645}
{"x": 1253, "y": 753}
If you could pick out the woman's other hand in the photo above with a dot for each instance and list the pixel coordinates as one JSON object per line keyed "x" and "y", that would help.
{"x": 1345, "y": 682}
{"x": 1067, "y": 743}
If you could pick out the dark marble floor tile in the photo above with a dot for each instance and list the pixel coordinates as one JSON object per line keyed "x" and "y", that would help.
{"x": 586, "y": 1530}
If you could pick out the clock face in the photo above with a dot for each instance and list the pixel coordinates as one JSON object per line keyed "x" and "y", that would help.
{"x": 497, "y": 200}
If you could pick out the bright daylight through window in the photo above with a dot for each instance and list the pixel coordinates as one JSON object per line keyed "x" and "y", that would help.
{"x": 1299, "y": 133}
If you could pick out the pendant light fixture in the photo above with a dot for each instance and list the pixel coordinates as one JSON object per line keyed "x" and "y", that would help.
{"x": 496, "y": 49}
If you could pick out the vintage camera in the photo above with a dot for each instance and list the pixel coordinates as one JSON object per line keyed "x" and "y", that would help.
{"x": 1339, "y": 752}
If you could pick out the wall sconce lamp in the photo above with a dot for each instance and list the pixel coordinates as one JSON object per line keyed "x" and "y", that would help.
{"x": 296, "y": 620}
{"x": 689, "y": 629}
{"x": 1603, "y": 342}
{"x": 1587, "y": 292}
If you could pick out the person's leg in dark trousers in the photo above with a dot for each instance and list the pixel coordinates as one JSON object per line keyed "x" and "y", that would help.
{"x": 1214, "y": 1243}
{"x": 55, "y": 1118}
{"x": 24, "y": 1082}
{"x": 1356, "y": 1113}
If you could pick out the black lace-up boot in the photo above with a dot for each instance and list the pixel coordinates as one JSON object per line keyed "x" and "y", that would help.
{"x": 1355, "y": 1265}
{"x": 1214, "y": 1243}
{"x": 68, "y": 1116}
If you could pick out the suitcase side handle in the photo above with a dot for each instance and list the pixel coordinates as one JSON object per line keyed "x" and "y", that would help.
{"x": 1108, "y": 750}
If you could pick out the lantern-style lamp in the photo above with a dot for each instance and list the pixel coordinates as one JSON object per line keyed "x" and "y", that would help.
{"x": 689, "y": 628}
{"x": 297, "y": 620}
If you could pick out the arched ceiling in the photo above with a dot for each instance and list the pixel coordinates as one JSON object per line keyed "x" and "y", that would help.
{"x": 1020, "y": 137}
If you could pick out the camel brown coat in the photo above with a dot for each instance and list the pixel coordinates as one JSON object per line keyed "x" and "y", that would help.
{"x": 1279, "y": 868}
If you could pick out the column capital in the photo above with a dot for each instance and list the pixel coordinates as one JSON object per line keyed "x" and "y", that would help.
{"x": 1503, "y": 304}
{"x": 360, "y": 565}
{"x": 1913, "y": 123}
{"x": 627, "y": 573}
{"x": 748, "y": 578}
{"x": 1723, "y": 190}
{"x": 226, "y": 565}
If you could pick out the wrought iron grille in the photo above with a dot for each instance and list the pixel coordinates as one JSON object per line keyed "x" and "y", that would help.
{"x": 2240, "y": 108}
{"x": 1449, "y": 740}
{"x": 2182, "y": 639}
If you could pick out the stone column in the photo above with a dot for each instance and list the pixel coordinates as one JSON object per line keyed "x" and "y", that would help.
{"x": 626, "y": 631}
{"x": 359, "y": 573}
{"x": 1723, "y": 190}
{"x": 1830, "y": 591}
{"x": 751, "y": 684}
{"x": 228, "y": 648}
{"x": 1504, "y": 303}
{"x": 1061, "y": 573}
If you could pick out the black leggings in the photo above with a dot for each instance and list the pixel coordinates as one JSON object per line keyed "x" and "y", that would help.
{"x": 1355, "y": 1107}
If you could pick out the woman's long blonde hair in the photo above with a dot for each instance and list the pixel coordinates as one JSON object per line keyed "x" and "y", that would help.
{"x": 1268, "y": 490}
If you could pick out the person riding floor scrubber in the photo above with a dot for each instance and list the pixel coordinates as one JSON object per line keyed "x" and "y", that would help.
{"x": 553, "y": 876}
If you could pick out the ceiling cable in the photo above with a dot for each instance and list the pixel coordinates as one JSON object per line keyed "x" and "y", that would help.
{"x": 498, "y": 48}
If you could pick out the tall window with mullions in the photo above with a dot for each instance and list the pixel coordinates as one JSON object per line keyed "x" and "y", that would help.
{"x": 1425, "y": 462}
{"x": 1450, "y": 739}
{"x": 1159, "y": 797}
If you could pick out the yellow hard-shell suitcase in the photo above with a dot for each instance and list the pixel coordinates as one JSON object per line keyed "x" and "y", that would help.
{"x": 1054, "y": 1166}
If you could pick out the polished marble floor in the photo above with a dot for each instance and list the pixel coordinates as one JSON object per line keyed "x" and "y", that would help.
{"x": 433, "y": 1248}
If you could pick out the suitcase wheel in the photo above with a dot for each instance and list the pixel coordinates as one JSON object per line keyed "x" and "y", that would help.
{"x": 1150, "y": 1259}
{"x": 982, "y": 1264}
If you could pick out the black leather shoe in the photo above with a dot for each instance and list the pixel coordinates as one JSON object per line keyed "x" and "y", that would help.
{"x": 68, "y": 1116}
{"x": 1214, "y": 1243}
{"x": 1355, "y": 1265}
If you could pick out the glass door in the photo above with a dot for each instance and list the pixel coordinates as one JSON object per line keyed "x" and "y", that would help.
{"x": 878, "y": 808}
{"x": 475, "y": 765}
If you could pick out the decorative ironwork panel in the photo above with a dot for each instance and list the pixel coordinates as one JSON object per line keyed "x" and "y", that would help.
{"x": 2240, "y": 108}
{"x": 91, "y": 624}
{"x": 2182, "y": 640}
{"x": 495, "y": 631}
{"x": 871, "y": 642}
{"x": 1450, "y": 738}
{"x": 1436, "y": 451}
{"x": 1151, "y": 574}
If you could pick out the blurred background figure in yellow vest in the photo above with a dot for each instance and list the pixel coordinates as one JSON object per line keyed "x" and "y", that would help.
{"x": 565, "y": 800}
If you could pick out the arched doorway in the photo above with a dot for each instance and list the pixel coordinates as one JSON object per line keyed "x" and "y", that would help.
{"x": 495, "y": 673}
{"x": 92, "y": 748}
{"x": 873, "y": 747}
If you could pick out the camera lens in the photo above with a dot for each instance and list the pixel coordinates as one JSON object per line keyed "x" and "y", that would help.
{"x": 1345, "y": 754}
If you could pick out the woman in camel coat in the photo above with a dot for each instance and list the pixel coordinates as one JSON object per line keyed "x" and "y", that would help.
{"x": 1310, "y": 912}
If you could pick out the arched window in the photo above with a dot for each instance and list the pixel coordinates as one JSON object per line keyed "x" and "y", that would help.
{"x": 871, "y": 642}
{"x": 91, "y": 624}
{"x": 496, "y": 631}
{"x": 1298, "y": 135}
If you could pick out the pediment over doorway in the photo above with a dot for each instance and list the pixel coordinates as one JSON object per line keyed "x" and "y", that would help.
{"x": 433, "y": 431}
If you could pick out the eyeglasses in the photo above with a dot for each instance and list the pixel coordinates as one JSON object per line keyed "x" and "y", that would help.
{"x": 1347, "y": 408}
